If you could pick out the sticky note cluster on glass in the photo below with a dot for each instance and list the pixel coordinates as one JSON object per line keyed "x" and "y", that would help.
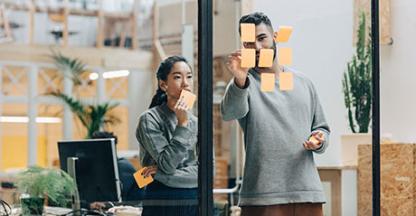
{"x": 285, "y": 57}
{"x": 248, "y": 57}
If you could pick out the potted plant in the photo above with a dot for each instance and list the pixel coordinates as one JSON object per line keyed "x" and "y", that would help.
{"x": 41, "y": 185}
{"x": 357, "y": 88}
{"x": 93, "y": 117}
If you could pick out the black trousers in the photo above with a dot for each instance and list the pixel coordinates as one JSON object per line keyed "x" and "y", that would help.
{"x": 161, "y": 200}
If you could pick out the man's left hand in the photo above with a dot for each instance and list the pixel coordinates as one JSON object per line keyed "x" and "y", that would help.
{"x": 315, "y": 141}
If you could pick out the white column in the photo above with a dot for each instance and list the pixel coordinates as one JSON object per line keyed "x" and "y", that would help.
{"x": 140, "y": 93}
{"x": 32, "y": 113}
{"x": 101, "y": 92}
{"x": 187, "y": 38}
{"x": 67, "y": 120}
{"x": 188, "y": 44}
{"x": 133, "y": 109}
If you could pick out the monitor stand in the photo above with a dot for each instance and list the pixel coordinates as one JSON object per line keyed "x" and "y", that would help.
{"x": 71, "y": 167}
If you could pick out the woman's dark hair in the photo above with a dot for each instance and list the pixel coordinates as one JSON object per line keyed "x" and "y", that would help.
{"x": 162, "y": 74}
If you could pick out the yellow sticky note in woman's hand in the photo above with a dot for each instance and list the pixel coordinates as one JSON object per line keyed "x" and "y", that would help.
{"x": 189, "y": 98}
{"x": 141, "y": 180}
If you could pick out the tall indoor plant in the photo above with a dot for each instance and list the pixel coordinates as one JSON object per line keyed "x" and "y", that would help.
{"x": 357, "y": 83}
{"x": 92, "y": 116}
{"x": 357, "y": 88}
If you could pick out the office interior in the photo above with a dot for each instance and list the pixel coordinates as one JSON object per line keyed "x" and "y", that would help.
{"x": 116, "y": 47}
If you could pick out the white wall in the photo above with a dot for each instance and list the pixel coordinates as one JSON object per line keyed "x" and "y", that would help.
{"x": 322, "y": 44}
{"x": 398, "y": 74}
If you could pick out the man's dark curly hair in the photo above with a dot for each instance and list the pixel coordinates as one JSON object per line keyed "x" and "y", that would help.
{"x": 256, "y": 18}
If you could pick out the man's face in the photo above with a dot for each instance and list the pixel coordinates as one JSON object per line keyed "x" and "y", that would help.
{"x": 264, "y": 40}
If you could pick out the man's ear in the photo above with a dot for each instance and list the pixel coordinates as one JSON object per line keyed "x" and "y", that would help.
{"x": 244, "y": 44}
{"x": 163, "y": 85}
{"x": 275, "y": 36}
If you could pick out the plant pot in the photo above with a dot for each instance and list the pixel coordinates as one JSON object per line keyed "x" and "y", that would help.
{"x": 32, "y": 205}
{"x": 349, "y": 146}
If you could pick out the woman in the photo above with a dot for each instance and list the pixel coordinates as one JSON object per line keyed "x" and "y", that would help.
{"x": 167, "y": 133}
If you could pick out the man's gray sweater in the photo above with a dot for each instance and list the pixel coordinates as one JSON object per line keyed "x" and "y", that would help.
{"x": 278, "y": 169}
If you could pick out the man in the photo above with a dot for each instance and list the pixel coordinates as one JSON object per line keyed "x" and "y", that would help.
{"x": 280, "y": 176}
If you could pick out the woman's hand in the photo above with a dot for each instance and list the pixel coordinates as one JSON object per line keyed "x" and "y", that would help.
{"x": 180, "y": 110}
{"x": 150, "y": 170}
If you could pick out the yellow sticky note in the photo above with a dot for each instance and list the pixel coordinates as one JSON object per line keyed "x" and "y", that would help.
{"x": 266, "y": 58}
{"x": 314, "y": 140}
{"x": 283, "y": 34}
{"x": 267, "y": 82}
{"x": 189, "y": 98}
{"x": 286, "y": 81}
{"x": 248, "y": 32}
{"x": 141, "y": 180}
{"x": 248, "y": 58}
{"x": 285, "y": 56}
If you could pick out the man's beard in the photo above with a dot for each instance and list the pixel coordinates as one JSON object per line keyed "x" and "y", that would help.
{"x": 259, "y": 69}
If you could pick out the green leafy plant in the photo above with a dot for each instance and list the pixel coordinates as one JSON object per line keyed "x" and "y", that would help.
{"x": 53, "y": 184}
{"x": 72, "y": 68}
{"x": 357, "y": 83}
{"x": 92, "y": 116}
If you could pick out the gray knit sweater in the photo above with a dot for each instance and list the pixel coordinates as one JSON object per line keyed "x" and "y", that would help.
{"x": 170, "y": 147}
{"x": 278, "y": 169}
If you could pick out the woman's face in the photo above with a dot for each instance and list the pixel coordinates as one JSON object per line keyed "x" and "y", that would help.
{"x": 180, "y": 78}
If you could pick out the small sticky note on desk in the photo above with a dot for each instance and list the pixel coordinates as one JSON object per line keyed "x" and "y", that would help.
{"x": 267, "y": 82}
{"x": 189, "y": 98}
{"x": 283, "y": 34}
{"x": 266, "y": 58}
{"x": 285, "y": 56}
{"x": 286, "y": 81}
{"x": 248, "y": 58}
{"x": 141, "y": 180}
{"x": 248, "y": 32}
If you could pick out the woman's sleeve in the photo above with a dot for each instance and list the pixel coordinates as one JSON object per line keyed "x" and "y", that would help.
{"x": 167, "y": 153}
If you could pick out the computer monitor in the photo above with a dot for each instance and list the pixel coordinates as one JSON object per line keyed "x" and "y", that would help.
{"x": 96, "y": 168}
